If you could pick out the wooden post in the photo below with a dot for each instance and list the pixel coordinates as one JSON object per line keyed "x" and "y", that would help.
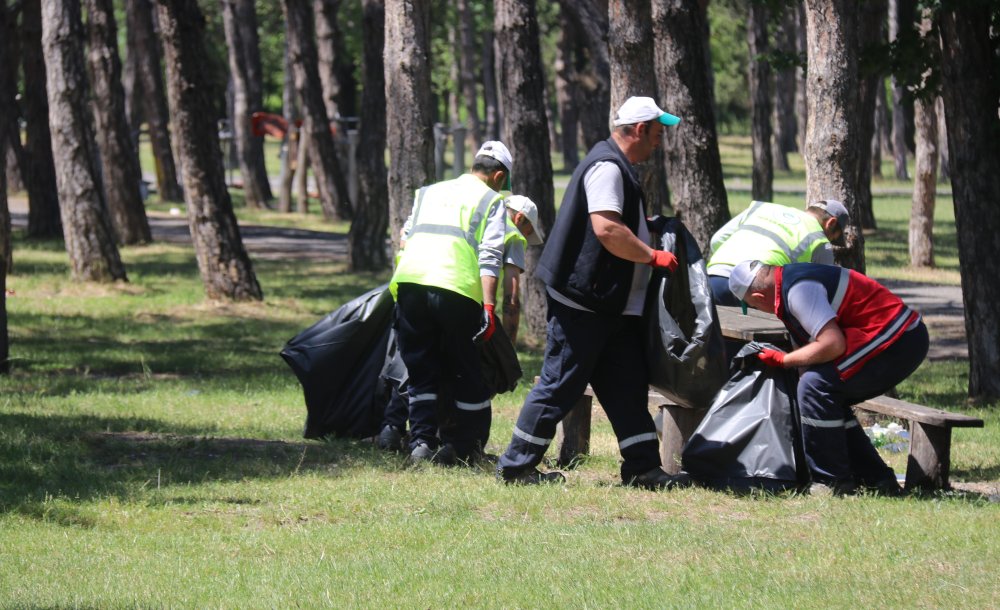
{"x": 930, "y": 457}
{"x": 573, "y": 432}
{"x": 678, "y": 425}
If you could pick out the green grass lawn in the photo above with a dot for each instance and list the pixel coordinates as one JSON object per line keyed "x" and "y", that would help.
{"x": 151, "y": 456}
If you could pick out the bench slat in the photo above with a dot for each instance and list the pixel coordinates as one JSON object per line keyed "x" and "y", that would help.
{"x": 919, "y": 413}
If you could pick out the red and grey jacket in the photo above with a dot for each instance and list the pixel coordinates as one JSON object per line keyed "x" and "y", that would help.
{"x": 871, "y": 317}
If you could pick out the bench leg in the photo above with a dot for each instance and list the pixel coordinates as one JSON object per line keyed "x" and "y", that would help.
{"x": 573, "y": 432}
{"x": 678, "y": 425}
{"x": 930, "y": 457}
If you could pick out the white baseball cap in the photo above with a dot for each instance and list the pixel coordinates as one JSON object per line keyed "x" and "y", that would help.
{"x": 520, "y": 203}
{"x": 496, "y": 149}
{"x": 741, "y": 277}
{"x": 641, "y": 109}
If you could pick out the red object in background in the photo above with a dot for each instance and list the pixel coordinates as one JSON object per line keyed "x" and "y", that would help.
{"x": 267, "y": 124}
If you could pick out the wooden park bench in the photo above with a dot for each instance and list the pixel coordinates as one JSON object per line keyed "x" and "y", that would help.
{"x": 928, "y": 463}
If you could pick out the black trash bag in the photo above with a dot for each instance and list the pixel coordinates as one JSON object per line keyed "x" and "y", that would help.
{"x": 751, "y": 436}
{"x": 338, "y": 361}
{"x": 685, "y": 351}
{"x": 501, "y": 368}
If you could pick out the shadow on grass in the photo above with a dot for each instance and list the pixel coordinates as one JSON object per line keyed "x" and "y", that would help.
{"x": 86, "y": 457}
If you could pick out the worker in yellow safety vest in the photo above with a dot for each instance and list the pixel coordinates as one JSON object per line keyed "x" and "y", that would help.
{"x": 445, "y": 288}
{"x": 777, "y": 235}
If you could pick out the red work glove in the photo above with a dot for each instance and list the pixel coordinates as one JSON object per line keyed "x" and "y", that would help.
{"x": 664, "y": 260}
{"x": 772, "y": 357}
{"x": 489, "y": 325}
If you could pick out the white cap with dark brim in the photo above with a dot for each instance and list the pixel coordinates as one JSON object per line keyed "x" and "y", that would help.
{"x": 642, "y": 109}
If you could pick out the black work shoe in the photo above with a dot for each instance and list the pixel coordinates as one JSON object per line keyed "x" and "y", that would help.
{"x": 887, "y": 487}
{"x": 442, "y": 456}
{"x": 529, "y": 477}
{"x": 390, "y": 439}
{"x": 657, "y": 479}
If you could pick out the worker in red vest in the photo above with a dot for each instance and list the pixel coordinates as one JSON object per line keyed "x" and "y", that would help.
{"x": 855, "y": 340}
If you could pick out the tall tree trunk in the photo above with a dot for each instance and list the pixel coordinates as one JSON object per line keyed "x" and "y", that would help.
{"x": 832, "y": 131}
{"x": 249, "y": 148}
{"x": 330, "y": 179}
{"x": 408, "y": 105}
{"x": 301, "y": 180}
{"x": 783, "y": 112}
{"x": 40, "y": 176}
{"x": 694, "y": 168}
{"x": 944, "y": 162}
{"x": 246, "y": 12}
{"x": 801, "y": 103}
{"x": 337, "y": 80}
{"x": 132, "y": 84}
{"x": 900, "y": 20}
{"x": 971, "y": 89}
{"x": 10, "y": 129}
{"x": 140, "y": 19}
{"x": 594, "y": 82}
{"x": 90, "y": 238}
{"x": 469, "y": 47}
{"x": 924, "y": 185}
{"x": 119, "y": 160}
{"x": 881, "y": 129}
{"x": 762, "y": 172}
{"x": 567, "y": 92}
{"x": 8, "y": 79}
{"x": 491, "y": 105}
{"x": 367, "y": 236}
{"x": 871, "y": 40}
{"x": 226, "y": 271}
{"x": 525, "y": 129}
{"x": 290, "y": 143}
{"x": 629, "y": 25}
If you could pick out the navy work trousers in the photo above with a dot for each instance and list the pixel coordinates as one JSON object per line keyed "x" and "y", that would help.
{"x": 836, "y": 447}
{"x": 434, "y": 331}
{"x": 607, "y": 352}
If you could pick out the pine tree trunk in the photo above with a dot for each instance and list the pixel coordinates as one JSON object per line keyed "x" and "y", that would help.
{"x": 832, "y": 132}
{"x": 491, "y": 106}
{"x": 900, "y": 18}
{"x": 10, "y": 129}
{"x": 526, "y": 131}
{"x": 783, "y": 113}
{"x": 924, "y": 185}
{"x": 7, "y": 109}
{"x": 762, "y": 172}
{"x": 881, "y": 129}
{"x": 140, "y": 20}
{"x": 467, "y": 75}
{"x": 944, "y": 163}
{"x": 290, "y": 144}
{"x": 87, "y": 229}
{"x": 336, "y": 71}
{"x": 226, "y": 271}
{"x": 300, "y": 182}
{"x": 870, "y": 40}
{"x": 246, "y": 13}
{"x": 248, "y": 147}
{"x": 132, "y": 84}
{"x": 801, "y": 92}
{"x": 326, "y": 164}
{"x": 694, "y": 168}
{"x": 409, "y": 111}
{"x": 119, "y": 160}
{"x": 44, "y": 220}
{"x": 594, "y": 86}
{"x": 629, "y": 25}
{"x": 566, "y": 92}
{"x": 971, "y": 89}
{"x": 367, "y": 237}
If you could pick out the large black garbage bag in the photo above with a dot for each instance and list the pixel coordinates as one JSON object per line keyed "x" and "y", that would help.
{"x": 338, "y": 361}
{"x": 751, "y": 436}
{"x": 685, "y": 351}
{"x": 501, "y": 368}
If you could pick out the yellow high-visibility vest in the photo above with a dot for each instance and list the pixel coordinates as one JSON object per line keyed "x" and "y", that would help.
{"x": 769, "y": 232}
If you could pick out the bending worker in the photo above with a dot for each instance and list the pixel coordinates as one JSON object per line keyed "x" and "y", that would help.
{"x": 857, "y": 340}
{"x": 596, "y": 265}
{"x": 777, "y": 235}
{"x": 445, "y": 289}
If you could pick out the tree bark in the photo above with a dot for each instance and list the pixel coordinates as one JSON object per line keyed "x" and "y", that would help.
{"x": 140, "y": 19}
{"x": 90, "y": 238}
{"x": 900, "y": 19}
{"x": 10, "y": 129}
{"x": 525, "y": 130}
{"x": 467, "y": 75}
{"x": 335, "y": 73}
{"x": 325, "y": 161}
{"x": 567, "y": 92}
{"x": 762, "y": 172}
{"x": 871, "y": 39}
{"x": 783, "y": 113}
{"x": 881, "y": 130}
{"x": 249, "y": 148}
{"x": 290, "y": 144}
{"x": 924, "y": 185}
{"x": 246, "y": 12}
{"x": 491, "y": 105}
{"x": 7, "y": 109}
{"x": 629, "y": 25}
{"x": 367, "y": 236}
{"x": 594, "y": 74}
{"x": 132, "y": 84}
{"x": 119, "y": 160}
{"x": 801, "y": 103}
{"x": 408, "y": 105}
{"x": 971, "y": 89}
{"x": 944, "y": 163}
{"x": 694, "y": 168}
{"x": 40, "y": 176}
{"x": 832, "y": 131}
{"x": 226, "y": 271}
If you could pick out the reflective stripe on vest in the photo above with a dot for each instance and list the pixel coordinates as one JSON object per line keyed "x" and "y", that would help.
{"x": 797, "y": 245}
{"x": 470, "y": 236}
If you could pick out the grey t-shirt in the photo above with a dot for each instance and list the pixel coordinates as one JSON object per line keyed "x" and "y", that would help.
{"x": 808, "y": 303}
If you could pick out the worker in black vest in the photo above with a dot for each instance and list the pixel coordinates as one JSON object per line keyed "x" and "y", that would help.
{"x": 596, "y": 266}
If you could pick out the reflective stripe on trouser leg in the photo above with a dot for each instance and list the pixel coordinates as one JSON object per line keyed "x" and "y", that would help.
{"x": 823, "y": 416}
